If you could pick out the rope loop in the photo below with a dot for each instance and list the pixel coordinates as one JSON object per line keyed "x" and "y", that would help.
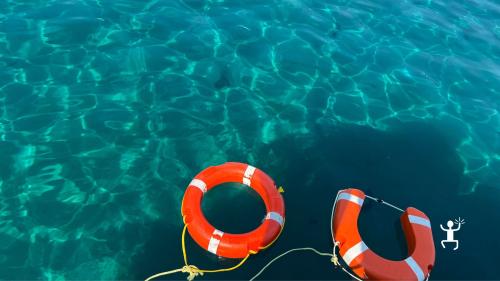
{"x": 335, "y": 261}
{"x": 192, "y": 270}
{"x": 335, "y": 258}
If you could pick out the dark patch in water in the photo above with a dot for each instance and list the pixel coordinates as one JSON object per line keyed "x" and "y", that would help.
{"x": 423, "y": 171}
{"x": 335, "y": 31}
{"x": 223, "y": 82}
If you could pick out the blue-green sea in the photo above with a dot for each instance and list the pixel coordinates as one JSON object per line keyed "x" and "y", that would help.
{"x": 108, "y": 109}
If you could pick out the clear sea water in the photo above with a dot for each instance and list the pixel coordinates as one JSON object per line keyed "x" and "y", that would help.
{"x": 109, "y": 108}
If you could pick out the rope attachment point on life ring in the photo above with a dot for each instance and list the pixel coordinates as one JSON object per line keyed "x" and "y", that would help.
{"x": 192, "y": 270}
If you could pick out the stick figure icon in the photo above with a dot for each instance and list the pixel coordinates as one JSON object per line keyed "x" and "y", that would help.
{"x": 450, "y": 232}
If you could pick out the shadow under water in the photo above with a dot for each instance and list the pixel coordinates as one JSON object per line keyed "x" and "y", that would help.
{"x": 410, "y": 165}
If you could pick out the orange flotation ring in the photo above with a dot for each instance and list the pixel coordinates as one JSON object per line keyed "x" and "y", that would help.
{"x": 367, "y": 264}
{"x": 226, "y": 244}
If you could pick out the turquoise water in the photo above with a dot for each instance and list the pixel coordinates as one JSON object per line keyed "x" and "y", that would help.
{"x": 109, "y": 108}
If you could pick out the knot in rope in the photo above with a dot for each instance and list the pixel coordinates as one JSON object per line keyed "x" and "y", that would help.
{"x": 335, "y": 258}
{"x": 335, "y": 261}
{"x": 192, "y": 270}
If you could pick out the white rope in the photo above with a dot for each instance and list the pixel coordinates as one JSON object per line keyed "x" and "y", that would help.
{"x": 331, "y": 219}
{"x": 385, "y": 203}
{"x": 334, "y": 258}
{"x": 304, "y": 249}
{"x": 286, "y": 253}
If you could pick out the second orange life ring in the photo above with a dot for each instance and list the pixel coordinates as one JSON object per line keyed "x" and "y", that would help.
{"x": 226, "y": 244}
{"x": 366, "y": 263}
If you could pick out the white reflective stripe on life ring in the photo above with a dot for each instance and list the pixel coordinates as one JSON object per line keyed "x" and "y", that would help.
{"x": 275, "y": 217}
{"x": 218, "y": 233}
{"x": 247, "y": 181}
{"x": 249, "y": 171}
{"x": 419, "y": 220}
{"x": 247, "y": 175}
{"x": 214, "y": 242}
{"x": 354, "y": 252}
{"x": 201, "y": 185}
{"x": 415, "y": 268}
{"x": 350, "y": 197}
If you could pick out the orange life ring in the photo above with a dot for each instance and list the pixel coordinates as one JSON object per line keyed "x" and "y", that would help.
{"x": 367, "y": 264}
{"x": 226, "y": 244}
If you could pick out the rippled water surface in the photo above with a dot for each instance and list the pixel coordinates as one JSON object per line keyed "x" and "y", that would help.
{"x": 109, "y": 108}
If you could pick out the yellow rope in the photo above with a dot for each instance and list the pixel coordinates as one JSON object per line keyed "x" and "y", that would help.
{"x": 192, "y": 270}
